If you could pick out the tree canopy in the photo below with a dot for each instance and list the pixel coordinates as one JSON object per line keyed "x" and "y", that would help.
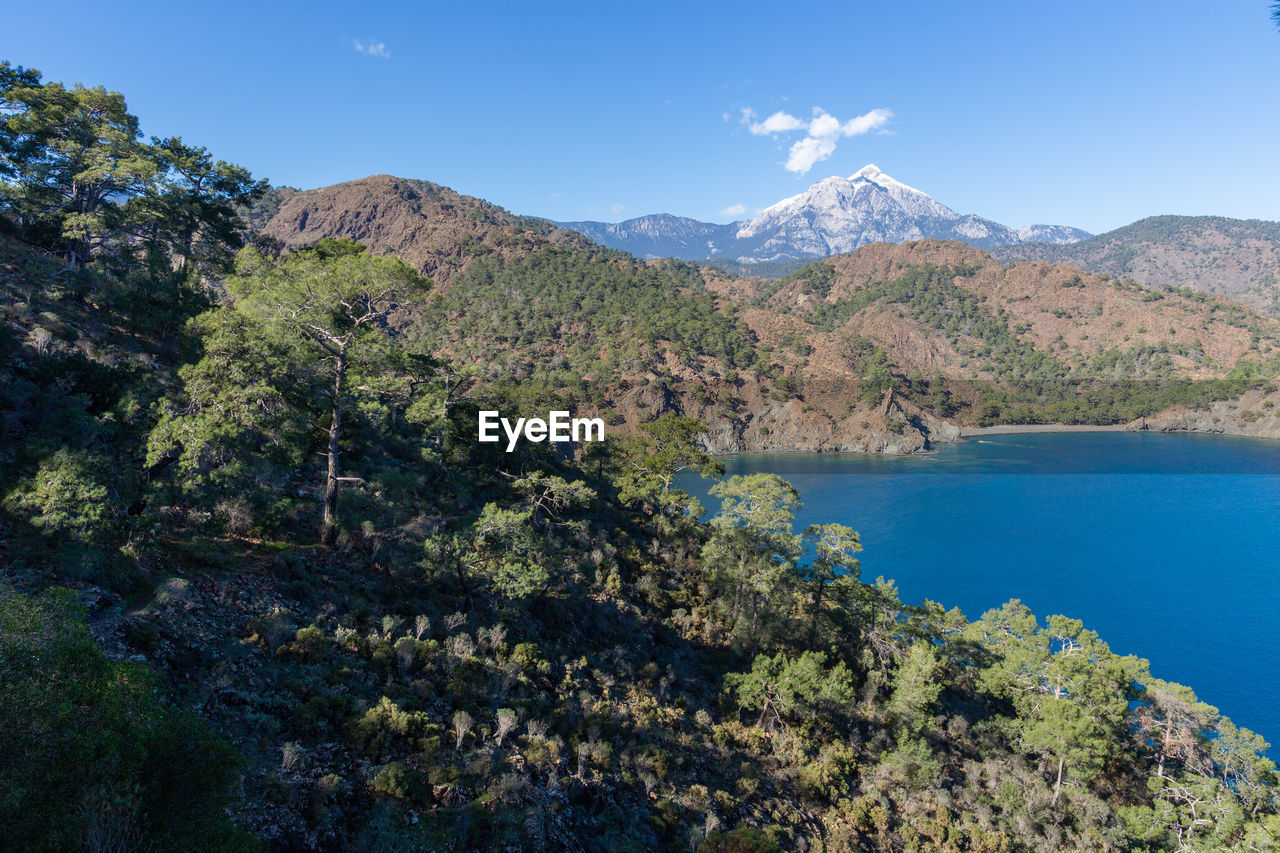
{"x": 80, "y": 179}
{"x": 305, "y": 340}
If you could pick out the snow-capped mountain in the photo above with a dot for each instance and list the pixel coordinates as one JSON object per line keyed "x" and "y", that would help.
{"x": 833, "y": 216}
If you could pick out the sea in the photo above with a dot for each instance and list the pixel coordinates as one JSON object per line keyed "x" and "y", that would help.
{"x": 1167, "y": 545}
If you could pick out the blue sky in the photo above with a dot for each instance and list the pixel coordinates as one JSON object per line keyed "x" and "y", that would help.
{"x": 1087, "y": 113}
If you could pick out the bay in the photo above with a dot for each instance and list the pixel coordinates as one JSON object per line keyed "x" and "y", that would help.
{"x": 1166, "y": 545}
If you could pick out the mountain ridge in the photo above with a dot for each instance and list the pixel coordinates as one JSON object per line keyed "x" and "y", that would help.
{"x": 833, "y": 216}
{"x": 431, "y": 226}
{"x": 803, "y": 362}
{"x": 1239, "y": 258}
{"x": 659, "y": 235}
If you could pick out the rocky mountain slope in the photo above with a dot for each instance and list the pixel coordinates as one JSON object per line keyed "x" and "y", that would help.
{"x": 1239, "y": 258}
{"x": 1056, "y": 309}
{"x": 430, "y": 226}
{"x": 887, "y": 349}
{"x": 833, "y": 216}
{"x": 661, "y": 235}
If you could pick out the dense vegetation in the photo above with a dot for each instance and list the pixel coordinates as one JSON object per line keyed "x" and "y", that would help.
{"x": 1209, "y": 253}
{"x": 1020, "y": 383}
{"x": 306, "y": 611}
{"x": 572, "y": 328}
{"x": 766, "y": 269}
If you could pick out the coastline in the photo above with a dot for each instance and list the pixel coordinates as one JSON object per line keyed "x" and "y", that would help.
{"x": 1013, "y": 429}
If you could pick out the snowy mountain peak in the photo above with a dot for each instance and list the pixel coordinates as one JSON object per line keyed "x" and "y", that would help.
{"x": 839, "y": 214}
{"x": 832, "y": 216}
{"x": 918, "y": 203}
{"x": 872, "y": 172}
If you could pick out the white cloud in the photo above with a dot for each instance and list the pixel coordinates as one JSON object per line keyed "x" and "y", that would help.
{"x": 808, "y": 151}
{"x": 874, "y": 120}
{"x": 824, "y": 126}
{"x": 617, "y": 207}
{"x": 822, "y": 132}
{"x": 779, "y": 122}
{"x": 734, "y": 210}
{"x": 372, "y": 48}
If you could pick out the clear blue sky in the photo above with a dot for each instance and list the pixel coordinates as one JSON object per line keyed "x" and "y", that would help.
{"x": 1085, "y": 113}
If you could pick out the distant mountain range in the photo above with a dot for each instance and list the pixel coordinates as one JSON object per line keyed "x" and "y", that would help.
{"x": 425, "y": 223}
{"x": 1239, "y": 258}
{"x": 834, "y": 216}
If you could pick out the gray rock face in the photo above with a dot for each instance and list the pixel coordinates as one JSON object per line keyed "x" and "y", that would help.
{"x": 1057, "y": 235}
{"x": 1255, "y": 413}
{"x": 660, "y": 235}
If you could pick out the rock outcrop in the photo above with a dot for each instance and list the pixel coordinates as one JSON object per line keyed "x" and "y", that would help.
{"x": 1255, "y": 413}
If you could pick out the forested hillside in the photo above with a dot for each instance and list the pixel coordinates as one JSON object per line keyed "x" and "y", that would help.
{"x": 263, "y": 590}
{"x": 887, "y": 349}
{"x": 1239, "y": 258}
{"x": 981, "y": 343}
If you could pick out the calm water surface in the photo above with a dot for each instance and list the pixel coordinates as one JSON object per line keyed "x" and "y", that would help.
{"x": 1167, "y": 545}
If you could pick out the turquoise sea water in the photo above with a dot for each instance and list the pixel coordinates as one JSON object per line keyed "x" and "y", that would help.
{"x": 1167, "y": 545}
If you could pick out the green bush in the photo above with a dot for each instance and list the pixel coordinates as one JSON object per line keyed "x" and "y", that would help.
{"x": 88, "y": 753}
{"x": 744, "y": 839}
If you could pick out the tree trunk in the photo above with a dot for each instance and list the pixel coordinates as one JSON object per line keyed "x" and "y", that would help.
{"x": 1057, "y": 788}
{"x": 1164, "y": 747}
{"x": 817, "y": 609}
{"x": 329, "y": 529}
{"x": 461, "y": 571}
{"x": 188, "y": 238}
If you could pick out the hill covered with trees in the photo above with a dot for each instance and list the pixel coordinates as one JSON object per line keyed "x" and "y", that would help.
{"x": 1239, "y": 258}
{"x": 262, "y": 590}
{"x": 437, "y": 230}
{"x": 890, "y": 348}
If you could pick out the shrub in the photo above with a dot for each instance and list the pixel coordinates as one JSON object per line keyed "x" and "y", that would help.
{"x": 385, "y": 724}
{"x": 744, "y": 839}
{"x": 310, "y": 644}
{"x": 88, "y": 753}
